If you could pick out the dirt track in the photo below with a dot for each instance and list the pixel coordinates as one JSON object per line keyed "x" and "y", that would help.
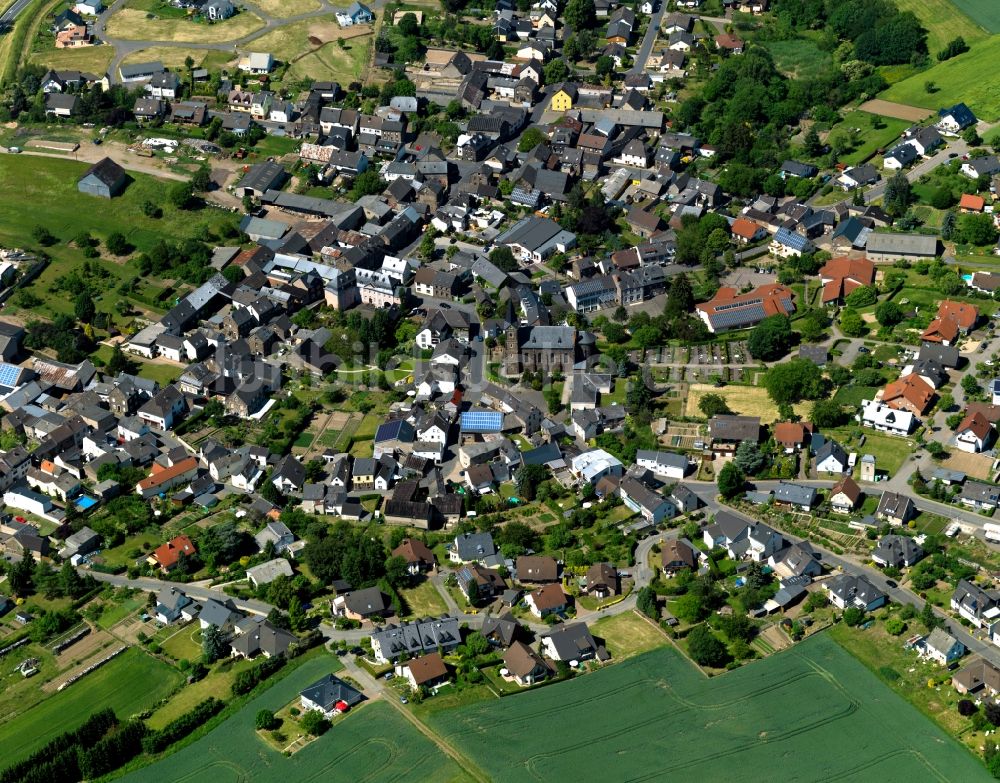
{"x": 898, "y": 110}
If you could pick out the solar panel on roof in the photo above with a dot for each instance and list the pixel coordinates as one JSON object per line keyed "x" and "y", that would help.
{"x": 481, "y": 421}
{"x": 9, "y": 374}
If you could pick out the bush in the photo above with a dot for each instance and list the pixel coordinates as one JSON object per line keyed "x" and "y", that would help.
{"x": 895, "y": 626}
{"x": 156, "y": 741}
{"x": 248, "y": 679}
{"x": 706, "y": 649}
{"x": 266, "y": 720}
{"x": 967, "y": 708}
{"x": 889, "y": 673}
{"x": 853, "y": 616}
{"x": 314, "y": 723}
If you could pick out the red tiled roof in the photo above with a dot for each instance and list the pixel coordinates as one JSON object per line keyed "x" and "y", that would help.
{"x": 744, "y": 228}
{"x": 169, "y": 553}
{"x": 771, "y": 296}
{"x": 160, "y": 474}
{"x": 977, "y": 423}
{"x": 965, "y": 314}
{"x": 912, "y": 388}
{"x": 969, "y": 201}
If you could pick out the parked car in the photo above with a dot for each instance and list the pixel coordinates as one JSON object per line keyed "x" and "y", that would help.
{"x": 403, "y": 700}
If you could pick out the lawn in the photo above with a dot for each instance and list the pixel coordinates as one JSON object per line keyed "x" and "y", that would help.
{"x": 218, "y": 683}
{"x": 375, "y": 744}
{"x": 132, "y": 24}
{"x": 628, "y": 634}
{"x": 118, "y": 610}
{"x": 119, "y": 555}
{"x": 957, "y": 79}
{"x": 744, "y": 400}
{"x": 853, "y": 395}
{"x": 330, "y": 61}
{"x": 129, "y": 684}
{"x": 944, "y": 22}
{"x": 42, "y": 191}
{"x": 183, "y": 643}
{"x": 91, "y": 59}
{"x": 424, "y": 600}
{"x": 814, "y": 708}
{"x": 890, "y": 452}
{"x": 799, "y": 58}
{"x": 870, "y": 139}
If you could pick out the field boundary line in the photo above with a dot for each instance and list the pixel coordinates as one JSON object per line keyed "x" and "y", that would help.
{"x": 459, "y": 758}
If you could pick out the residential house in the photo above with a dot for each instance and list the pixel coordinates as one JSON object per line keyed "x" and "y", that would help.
{"x": 262, "y": 639}
{"x": 795, "y": 495}
{"x": 419, "y": 558}
{"x": 330, "y": 696}
{"x": 976, "y": 604}
{"x": 536, "y": 569}
{"x": 895, "y": 508}
{"x": 265, "y": 573}
{"x": 413, "y": 638}
{"x": 886, "y": 418}
{"x": 844, "y": 495}
{"x": 974, "y": 434}
{"x": 169, "y": 603}
{"x": 601, "y": 581}
{"x": 547, "y": 600}
{"x": 847, "y": 590}
{"x": 572, "y": 643}
{"x": 169, "y": 555}
{"x": 428, "y": 671}
{"x": 677, "y": 555}
{"x": 942, "y": 648}
{"x": 651, "y": 505}
{"x": 979, "y": 496}
{"x": 525, "y": 666}
{"x": 897, "y": 552}
{"x": 831, "y": 458}
{"x": 729, "y": 309}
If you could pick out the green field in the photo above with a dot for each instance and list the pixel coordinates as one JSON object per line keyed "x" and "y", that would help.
{"x": 799, "y": 58}
{"x": 982, "y": 12}
{"x": 131, "y": 683}
{"x": 870, "y": 139}
{"x": 853, "y": 395}
{"x": 943, "y": 22}
{"x": 813, "y": 712}
{"x": 375, "y": 744}
{"x": 958, "y": 79}
{"x": 42, "y": 191}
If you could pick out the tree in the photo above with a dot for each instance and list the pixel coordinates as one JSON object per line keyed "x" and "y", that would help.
{"x": 705, "y": 649}
{"x": 367, "y": 183}
{"x": 117, "y": 244}
{"x": 528, "y": 478}
{"x": 266, "y": 721}
{"x": 967, "y": 708}
{"x": 604, "y": 65}
{"x": 21, "y": 577}
{"x": 397, "y": 571}
{"x": 813, "y": 146}
{"x": 894, "y": 626}
{"x": 731, "y": 480}
{"x": 977, "y": 229}
{"x": 680, "y": 298}
{"x": 748, "y": 458}
{"x": 408, "y": 25}
{"x": 531, "y": 138}
{"x": 889, "y": 313}
{"x": 181, "y": 195}
{"x": 503, "y": 259}
{"x": 770, "y": 339}
{"x": 853, "y": 616}
{"x": 862, "y": 296}
{"x": 646, "y": 602}
{"x": 794, "y": 381}
{"x": 201, "y": 180}
{"x": 928, "y": 619}
{"x": 827, "y": 413}
{"x": 84, "y": 308}
{"x": 213, "y": 644}
{"x": 296, "y": 614}
{"x": 580, "y": 15}
{"x": 851, "y": 323}
{"x": 313, "y": 722}
{"x": 955, "y": 47}
{"x": 897, "y": 195}
{"x": 713, "y": 405}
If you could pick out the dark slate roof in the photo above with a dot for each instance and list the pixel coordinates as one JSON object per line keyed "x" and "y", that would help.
{"x": 107, "y": 171}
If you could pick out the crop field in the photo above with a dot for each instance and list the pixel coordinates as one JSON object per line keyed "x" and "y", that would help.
{"x": 982, "y": 12}
{"x": 813, "y": 711}
{"x": 945, "y": 21}
{"x": 376, "y": 744}
{"x": 131, "y": 683}
{"x": 957, "y": 79}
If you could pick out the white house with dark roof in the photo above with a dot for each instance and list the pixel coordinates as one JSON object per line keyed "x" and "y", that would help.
{"x": 847, "y": 590}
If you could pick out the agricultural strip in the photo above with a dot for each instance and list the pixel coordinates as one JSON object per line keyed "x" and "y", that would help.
{"x": 131, "y": 683}
{"x": 813, "y": 710}
{"x": 375, "y": 744}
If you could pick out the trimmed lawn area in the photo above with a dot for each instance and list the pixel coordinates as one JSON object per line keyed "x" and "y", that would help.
{"x": 958, "y": 79}
{"x": 183, "y": 643}
{"x": 129, "y": 684}
{"x": 853, "y": 395}
{"x": 889, "y": 451}
{"x": 628, "y": 634}
{"x": 870, "y": 139}
{"x": 131, "y": 24}
{"x": 376, "y": 743}
{"x": 805, "y": 705}
{"x": 424, "y": 600}
{"x": 119, "y": 555}
{"x": 217, "y": 683}
{"x": 945, "y": 21}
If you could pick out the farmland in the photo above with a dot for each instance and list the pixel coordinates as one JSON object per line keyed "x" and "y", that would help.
{"x": 982, "y": 12}
{"x": 375, "y": 744}
{"x": 957, "y": 79}
{"x": 131, "y": 683}
{"x": 944, "y": 21}
{"x": 733, "y": 727}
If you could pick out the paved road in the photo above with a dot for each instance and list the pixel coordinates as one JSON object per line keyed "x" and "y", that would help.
{"x": 201, "y": 593}
{"x": 15, "y": 9}
{"x": 639, "y": 64}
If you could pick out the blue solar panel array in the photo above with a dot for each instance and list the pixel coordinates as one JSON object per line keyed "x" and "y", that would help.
{"x": 481, "y": 421}
{"x": 9, "y": 373}
{"x": 388, "y": 431}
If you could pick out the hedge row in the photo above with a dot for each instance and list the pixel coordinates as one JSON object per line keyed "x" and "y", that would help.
{"x": 57, "y": 760}
{"x": 156, "y": 741}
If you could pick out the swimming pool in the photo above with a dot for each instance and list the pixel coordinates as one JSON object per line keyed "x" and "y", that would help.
{"x": 85, "y": 502}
